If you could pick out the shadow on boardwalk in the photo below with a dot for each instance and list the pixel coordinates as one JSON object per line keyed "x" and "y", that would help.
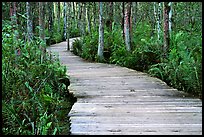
{"x": 118, "y": 100}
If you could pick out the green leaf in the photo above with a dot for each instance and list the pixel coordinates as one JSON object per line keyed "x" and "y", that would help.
{"x": 28, "y": 86}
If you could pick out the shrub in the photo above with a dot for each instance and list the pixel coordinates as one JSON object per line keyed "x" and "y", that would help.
{"x": 31, "y": 99}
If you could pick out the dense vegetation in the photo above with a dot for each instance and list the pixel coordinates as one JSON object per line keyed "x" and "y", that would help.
{"x": 35, "y": 102}
{"x": 180, "y": 69}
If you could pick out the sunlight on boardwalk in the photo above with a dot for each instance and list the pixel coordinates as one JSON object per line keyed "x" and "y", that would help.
{"x": 118, "y": 100}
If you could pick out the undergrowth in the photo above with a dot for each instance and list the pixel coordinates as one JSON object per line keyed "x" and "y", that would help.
{"x": 182, "y": 68}
{"x": 33, "y": 100}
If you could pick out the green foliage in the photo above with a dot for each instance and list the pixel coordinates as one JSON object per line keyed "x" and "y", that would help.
{"x": 31, "y": 92}
{"x": 74, "y": 33}
{"x": 90, "y": 46}
{"x": 87, "y": 46}
{"x": 77, "y": 47}
{"x": 145, "y": 51}
{"x": 183, "y": 68}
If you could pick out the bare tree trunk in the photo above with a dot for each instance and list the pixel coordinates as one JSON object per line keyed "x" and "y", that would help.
{"x": 29, "y": 22}
{"x": 58, "y": 18}
{"x": 127, "y": 26}
{"x": 94, "y": 17}
{"x": 67, "y": 23}
{"x": 74, "y": 19}
{"x": 110, "y": 15}
{"x": 83, "y": 20}
{"x": 166, "y": 29}
{"x": 88, "y": 18}
{"x": 123, "y": 18}
{"x": 170, "y": 17}
{"x": 50, "y": 20}
{"x": 157, "y": 14}
{"x": 41, "y": 32}
{"x": 134, "y": 14}
{"x": 13, "y": 10}
{"x": 65, "y": 20}
{"x": 101, "y": 33}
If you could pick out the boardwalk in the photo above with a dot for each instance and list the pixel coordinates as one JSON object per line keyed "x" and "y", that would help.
{"x": 122, "y": 101}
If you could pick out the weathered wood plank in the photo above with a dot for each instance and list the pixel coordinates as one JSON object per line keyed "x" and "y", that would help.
{"x": 114, "y": 100}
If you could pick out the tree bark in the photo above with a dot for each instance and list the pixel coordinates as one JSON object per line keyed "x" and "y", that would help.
{"x": 68, "y": 26}
{"x": 170, "y": 17}
{"x": 74, "y": 18}
{"x": 13, "y": 10}
{"x": 110, "y": 15}
{"x": 157, "y": 15}
{"x": 127, "y": 26}
{"x": 65, "y": 20}
{"x": 41, "y": 31}
{"x": 83, "y": 20}
{"x": 88, "y": 18}
{"x": 29, "y": 22}
{"x": 101, "y": 33}
{"x": 58, "y": 17}
{"x": 123, "y": 18}
{"x": 50, "y": 20}
{"x": 166, "y": 29}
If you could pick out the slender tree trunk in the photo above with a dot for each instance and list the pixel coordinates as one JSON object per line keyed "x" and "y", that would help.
{"x": 170, "y": 17}
{"x": 74, "y": 19}
{"x": 29, "y": 22}
{"x": 11, "y": 10}
{"x": 158, "y": 19}
{"x": 101, "y": 33}
{"x": 41, "y": 32}
{"x": 111, "y": 15}
{"x": 94, "y": 17}
{"x": 79, "y": 15}
{"x": 166, "y": 29}
{"x": 65, "y": 20}
{"x": 134, "y": 14}
{"x": 127, "y": 26}
{"x": 88, "y": 18}
{"x": 83, "y": 19}
{"x": 58, "y": 17}
{"x": 123, "y": 18}
{"x": 67, "y": 23}
{"x": 50, "y": 20}
{"x": 14, "y": 19}
{"x": 41, "y": 20}
{"x": 155, "y": 16}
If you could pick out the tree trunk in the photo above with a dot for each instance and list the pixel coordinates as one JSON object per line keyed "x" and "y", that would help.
{"x": 110, "y": 15}
{"x": 127, "y": 26}
{"x": 67, "y": 23}
{"x": 83, "y": 19}
{"x": 157, "y": 10}
{"x": 170, "y": 17}
{"x": 50, "y": 20}
{"x": 65, "y": 20}
{"x": 166, "y": 29}
{"x": 134, "y": 14}
{"x": 101, "y": 33}
{"x": 123, "y": 18}
{"x": 58, "y": 17}
{"x": 29, "y": 22}
{"x": 13, "y": 10}
{"x": 74, "y": 14}
{"x": 94, "y": 17}
{"x": 41, "y": 32}
{"x": 79, "y": 15}
{"x": 88, "y": 18}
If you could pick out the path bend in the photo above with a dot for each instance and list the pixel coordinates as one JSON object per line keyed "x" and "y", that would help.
{"x": 117, "y": 100}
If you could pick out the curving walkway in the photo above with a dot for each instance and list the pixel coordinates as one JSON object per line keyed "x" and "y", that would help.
{"x": 117, "y": 100}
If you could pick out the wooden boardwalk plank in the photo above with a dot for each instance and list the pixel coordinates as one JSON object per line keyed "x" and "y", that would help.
{"x": 114, "y": 100}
